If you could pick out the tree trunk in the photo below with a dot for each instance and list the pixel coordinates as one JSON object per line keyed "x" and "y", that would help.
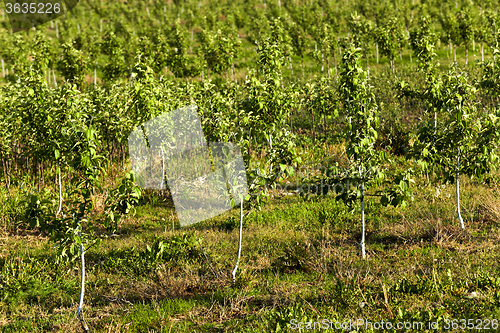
{"x": 362, "y": 244}
{"x": 5, "y": 175}
{"x": 376, "y": 48}
{"x": 328, "y": 67}
{"x": 233, "y": 273}
{"x": 39, "y": 174}
{"x": 335, "y": 63}
{"x": 82, "y": 285}
{"x": 367, "y": 66}
{"x": 43, "y": 175}
{"x": 123, "y": 154}
{"x": 313, "y": 127}
{"x": 466, "y": 56}
{"x": 60, "y": 192}
{"x": 162, "y": 186}
{"x": 458, "y": 193}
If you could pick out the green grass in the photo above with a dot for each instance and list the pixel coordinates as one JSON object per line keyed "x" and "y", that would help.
{"x": 300, "y": 261}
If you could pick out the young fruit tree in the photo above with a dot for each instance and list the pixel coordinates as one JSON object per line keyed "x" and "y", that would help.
{"x": 466, "y": 30}
{"x": 422, "y": 41}
{"x": 362, "y": 30}
{"x": 365, "y": 162}
{"x": 465, "y": 140}
{"x": 68, "y": 231}
{"x": 390, "y": 38}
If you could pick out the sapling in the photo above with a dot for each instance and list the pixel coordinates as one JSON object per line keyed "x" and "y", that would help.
{"x": 362, "y": 30}
{"x": 422, "y": 41}
{"x": 364, "y": 165}
{"x": 85, "y": 163}
{"x": 362, "y": 112}
{"x": 466, "y": 31}
{"x": 466, "y": 139}
{"x": 390, "y": 38}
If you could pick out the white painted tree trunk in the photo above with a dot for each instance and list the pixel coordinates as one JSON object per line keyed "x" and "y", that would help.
{"x": 60, "y": 188}
{"x": 458, "y": 193}
{"x": 233, "y": 273}
{"x": 376, "y": 49}
{"x": 82, "y": 285}
{"x": 162, "y": 186}
{"x": 362, "y": 244}
{"x": 367, "y": 67}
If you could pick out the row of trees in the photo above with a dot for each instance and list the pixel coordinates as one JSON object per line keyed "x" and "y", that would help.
{"x": 65, "y": 130}
{"x": 210, "y": 41}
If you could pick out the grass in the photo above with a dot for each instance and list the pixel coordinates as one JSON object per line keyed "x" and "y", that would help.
{"x": 300, "y": 261}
